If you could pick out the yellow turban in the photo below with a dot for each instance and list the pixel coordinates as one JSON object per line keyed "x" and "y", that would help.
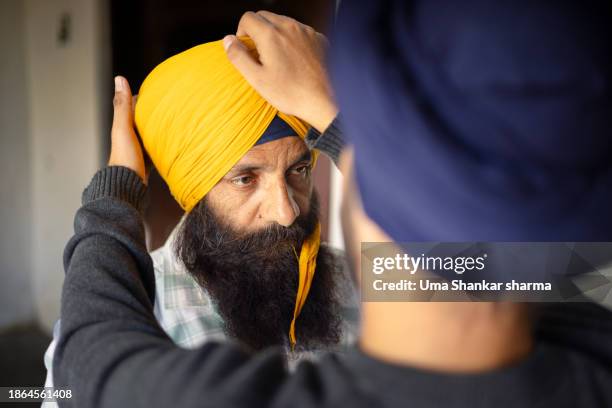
{"x": 197, "y": 116}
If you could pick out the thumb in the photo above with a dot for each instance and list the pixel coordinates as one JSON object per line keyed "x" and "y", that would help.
{"x": 122, "y": 108}
{"x": 242, "y": 59}
{"x": 125, "y": 147}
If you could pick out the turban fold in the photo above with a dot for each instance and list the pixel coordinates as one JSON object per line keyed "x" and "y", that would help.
{"x": 197, "y": 117}
{"x": 479, "y": 120}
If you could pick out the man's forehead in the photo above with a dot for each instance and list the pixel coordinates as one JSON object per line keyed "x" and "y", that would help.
{"x": 285, "y": 151}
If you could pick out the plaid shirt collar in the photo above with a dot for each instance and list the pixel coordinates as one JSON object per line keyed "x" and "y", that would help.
{"x": 184, "y": 309}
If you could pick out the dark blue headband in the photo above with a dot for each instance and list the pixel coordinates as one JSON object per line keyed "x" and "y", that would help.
{"x": 277, "y": 129}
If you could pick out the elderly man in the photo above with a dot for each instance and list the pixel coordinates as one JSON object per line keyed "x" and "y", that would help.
{"x": 420, "y": 354}
{"x": 233, "y": 267}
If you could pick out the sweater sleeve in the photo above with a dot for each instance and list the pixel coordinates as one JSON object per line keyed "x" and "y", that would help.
{"x": 111, "y": 351}
{"x": 330, "y": 142}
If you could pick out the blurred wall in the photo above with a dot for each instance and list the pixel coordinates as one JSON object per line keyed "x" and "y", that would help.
{"x": 52, "y": 109}
{"x": 16, "y": 300}
{"x": 335, "y": 238}
{"x": 65, "y": 60}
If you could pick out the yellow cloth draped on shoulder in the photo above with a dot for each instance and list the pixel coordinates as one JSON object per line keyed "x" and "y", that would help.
{"x": 197, "y": 116}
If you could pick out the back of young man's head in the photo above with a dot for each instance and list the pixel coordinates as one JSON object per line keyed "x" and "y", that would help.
{"x": 479, "y": 121}
{"x": 472, "y": 122}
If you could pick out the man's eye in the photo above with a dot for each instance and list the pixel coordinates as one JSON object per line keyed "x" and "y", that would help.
{"x": 302, "y": 169}
{"x": 243, "y": 180}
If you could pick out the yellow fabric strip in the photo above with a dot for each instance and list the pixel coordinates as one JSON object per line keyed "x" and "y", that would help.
{"x": 307, "y": 264}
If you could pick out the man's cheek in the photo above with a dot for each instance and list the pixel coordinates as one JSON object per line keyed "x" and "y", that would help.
{"x": 303, "y": 203}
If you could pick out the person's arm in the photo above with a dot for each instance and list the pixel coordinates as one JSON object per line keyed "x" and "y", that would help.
{"x": 290, "y": 71}
{"x": 112, "y": 352}
{"x": 290, "y": 74}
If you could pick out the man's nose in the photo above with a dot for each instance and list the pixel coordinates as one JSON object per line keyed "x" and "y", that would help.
{"x": 280, "y": 206}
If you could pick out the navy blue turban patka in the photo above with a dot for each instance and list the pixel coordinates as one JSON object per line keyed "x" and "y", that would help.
{"x": 277, "y": 129}
{"x": 479, "y": 120}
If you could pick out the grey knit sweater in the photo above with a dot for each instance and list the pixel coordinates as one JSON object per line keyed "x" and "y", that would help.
{"x": 112, "y": 352}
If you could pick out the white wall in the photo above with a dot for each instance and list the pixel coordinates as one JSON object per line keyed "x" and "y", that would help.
{"x": 16, "y": 301}
{"x": 65, "y": 123}
{"x": 336, "y": 239}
